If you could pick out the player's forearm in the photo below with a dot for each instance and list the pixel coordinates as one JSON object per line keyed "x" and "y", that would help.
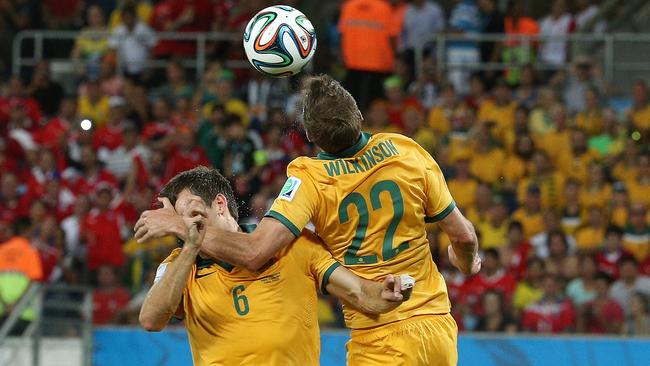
{"x": 233, "y": 247}
{"x": 361, "y": 294}
{"x": 371, "y": 300}
{"x": 165, "y": 295}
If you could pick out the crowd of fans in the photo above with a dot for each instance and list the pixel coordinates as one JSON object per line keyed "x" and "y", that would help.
{"x": 556, "y": 182}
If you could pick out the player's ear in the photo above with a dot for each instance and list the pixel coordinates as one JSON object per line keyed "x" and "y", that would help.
{"x": 220, "y": 204}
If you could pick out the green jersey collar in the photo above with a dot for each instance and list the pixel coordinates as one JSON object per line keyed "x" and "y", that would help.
{"x": 350, "y": 151}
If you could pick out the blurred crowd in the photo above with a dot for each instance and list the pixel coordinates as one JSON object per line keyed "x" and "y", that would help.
{"x": 555, "y": 180}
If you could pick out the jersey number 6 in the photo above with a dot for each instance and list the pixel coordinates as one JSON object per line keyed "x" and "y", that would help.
{"x": 356, "y": 199}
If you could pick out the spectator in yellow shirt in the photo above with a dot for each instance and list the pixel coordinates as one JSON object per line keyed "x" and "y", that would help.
{"x": 92, "y": 42}
{"x": 639, "y": 187}
{"x": 591, "y": 119}
{"x": 448, "y": 112}
{"x": 142, "y": 9}
{"x": 94, "y": 104}
{"x": 494, "y": 231}
{"x": 482, "y": 202}
{"x": 414, "y": 127}
{"x": 540, "y": 122}
{"x": 518, "y": 164}
{"x": 571, "y": 208}
{"x": 589, "y": 238}
{"x": 530, "y": 213}
{"x": 550, "y": 182}
{"x": 573, "y": 162}
{"x": 636, "y": 235}
{"x": 500, "y": 110}
{"x": 596, "y": 191}
{"x": 462, "y": 186}
{"x": 556, "y": 141}
{"x": 618, "y": 205}
{"x": 487, "y": 162}
{"x": 639, "y": 114}
{"x": 626, "y": 169}
{"x": 529, "y": 290}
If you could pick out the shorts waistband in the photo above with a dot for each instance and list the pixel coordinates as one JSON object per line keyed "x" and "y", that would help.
{"x": 406, "y": 325}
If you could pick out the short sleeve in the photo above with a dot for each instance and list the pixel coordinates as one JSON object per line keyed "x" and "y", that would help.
{"x": 316, "y": 260}
{"x": 438, "y": 202}
{"x": 295, "y": 205}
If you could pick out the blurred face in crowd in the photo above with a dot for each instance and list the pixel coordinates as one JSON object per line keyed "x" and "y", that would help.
{"x": 9, "y": 185}
{"x": 502, "y": 94}
{"x": 18, "y": 115}
{"x": 602, "y": 287}
{"x": 610, "y": 121}
{"x": 95, "y": 17}
{"x": 5, "y": 231}
{"x": 571, "y": 191}
{"x": 393, "y": 94}
{"x": 476, "y": 86}
{"x": 46, "y": 160}
{"x": 462, "y": 169}
{"x": 551, "y": 221}
{"x": 236, "y": 131}
{"x": 129, "y": 19}
{"x": 524, "y": 147}
{"x": 644, "y": 167}
{"x": 448, "y": 96}
{"x": 540, "y": 161}
{"x": 82, "y": 206}
{"x": 591, "y": 99}
{"x": 521, "y": 120}
{"x": 596, "y": 174}
{"x": 588, "y": 267}
{"x": 570, "y": 267}
{"x": 557, "y": 245}
{"x": 185, "y": 139}
{"x": 224, "y": 90}
{"x": 106, "y": 277}
{"x": 486, "y": 6}
{"x": 413, "y": 120}
{"x": 175, "y": 73}
{"x": 533, "y": 201}
{"x": 37, "y": 211}
{"x": 217, "y": 116}
{"x": 550, "y": 286}
{"x": 578, "y": 141}
{"x": 612, "y": 241}
{"x": 638, "y": 213}
{"x": 527, "y": 77}
{"x": 94, "y": 91}
{"x": 492, "y": 303}
{"x": 490, "y": 263}
{"x": 87, "y": 157}
{"x": 161, "y": 110}
{"x": 498, "y": 213}
{"x": 535, "y": 271}
{"x": 483, "y": 196}
{"x": 15, "y": 87}
{"x": 619, "y": 198}
{"x": 130, "y": 136}
{"x": 628, "y": 271}
{"x": 68, "y": 109}
{"x": 116, "y": 115}
{"x": 103, "y": 199}
{"x": 546, "y": 99}
{"x": 515, "y": 235}
{"x": 259, "y": 205}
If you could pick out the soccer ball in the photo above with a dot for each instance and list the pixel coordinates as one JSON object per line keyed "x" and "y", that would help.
{"x": 279, "y": 41}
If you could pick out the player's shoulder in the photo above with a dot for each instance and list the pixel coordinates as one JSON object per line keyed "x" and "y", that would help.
{"x": 306, "y": 242}
{"x": 404, "y": 144}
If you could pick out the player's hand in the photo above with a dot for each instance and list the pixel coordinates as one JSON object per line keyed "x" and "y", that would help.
{"x": 160, "y": 222}
{"x": 392, "y": 289}
{"x": 195, "y": 226}
{"x": 469, "y": 266}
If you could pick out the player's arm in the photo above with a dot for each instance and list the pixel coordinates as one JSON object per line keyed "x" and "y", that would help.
{"x": 366, "y": 296}
{"x": 165, "y": 295}
{"x": 463, "y": 251}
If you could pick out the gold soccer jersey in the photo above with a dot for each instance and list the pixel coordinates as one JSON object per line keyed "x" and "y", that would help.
{"x": 369, "y": 205}
{"x": 235, "y": 317}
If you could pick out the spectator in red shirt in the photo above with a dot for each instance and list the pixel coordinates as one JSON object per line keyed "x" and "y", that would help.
{"x": 517, "y": 251}
{"x": 185, "y": 154}
{"x": 85, "y": 178}
{"x": 492, "y": 277}
{"x": 180, "y": 16}
{"x": 13, "y": 203}
{"x": 109, "y": 137}
{"x": 101, "y": 229}
{"x": 397, "y": 101}
{"x": 53, "y": 133}
{"x": 16, "y": 89}
{"x": 609, "y": 257}
{"x": 553, "y": 313}
{"x": 603, "y": 314}
{"x": 109, "y": 299}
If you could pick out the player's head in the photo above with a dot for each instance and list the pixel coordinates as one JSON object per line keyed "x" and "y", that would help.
{"x": 207, "y": 185}
{"x": 331, "y": 116}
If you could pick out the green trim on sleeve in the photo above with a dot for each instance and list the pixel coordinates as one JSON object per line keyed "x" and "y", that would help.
{"x": 442, "y": 215}
{"x": 286, "y": 222}
{"x": 326, "y": 277}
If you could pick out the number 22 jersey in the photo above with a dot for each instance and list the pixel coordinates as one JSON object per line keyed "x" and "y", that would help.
{"x": 369, "y": 205}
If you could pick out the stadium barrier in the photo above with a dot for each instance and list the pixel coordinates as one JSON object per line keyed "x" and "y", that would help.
{"x": 130, "y": 346}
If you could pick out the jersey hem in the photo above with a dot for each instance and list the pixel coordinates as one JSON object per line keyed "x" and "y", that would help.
{"x": 326, "y": 277}
{"x": 286, "y": 222}
{"x": 441, "y": 215}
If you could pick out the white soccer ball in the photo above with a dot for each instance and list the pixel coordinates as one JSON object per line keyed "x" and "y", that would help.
{"x": 279, "y": 41}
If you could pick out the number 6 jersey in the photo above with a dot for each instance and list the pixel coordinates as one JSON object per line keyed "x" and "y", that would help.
{"x": 369, "y": 205}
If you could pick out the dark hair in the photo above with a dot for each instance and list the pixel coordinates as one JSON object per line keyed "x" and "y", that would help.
{"x": 129, "y": 10}
{"x": 204, "y": 182}
{"x": 628, "y": 259}
{"x": 491, "y": 252}
{"x": 331, "y": 116}
{"x": 602, "y": 276}
{"x": 614, "y": 230}
{"x": 516, "y": 225}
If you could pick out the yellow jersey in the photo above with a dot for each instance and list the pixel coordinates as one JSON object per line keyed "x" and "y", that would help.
{"x": 369, "y": 205}
{"x": 226, "y": 308}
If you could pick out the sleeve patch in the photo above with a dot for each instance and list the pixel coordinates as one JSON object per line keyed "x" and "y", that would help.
{"x": 160, "y": 272}
{"x": 290, "y": 188}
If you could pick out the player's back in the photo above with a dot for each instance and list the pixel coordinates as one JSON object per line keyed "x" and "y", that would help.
{"x": 369, "y": 205}
{"x": 270, "y": 317}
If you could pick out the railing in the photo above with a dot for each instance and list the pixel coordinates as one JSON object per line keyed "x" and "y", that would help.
{"x": 46, "y": 302}
{"x": 604, "y": 46}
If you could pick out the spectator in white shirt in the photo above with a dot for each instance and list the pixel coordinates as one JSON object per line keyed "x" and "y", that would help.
{"x": 630, "y": 282}
{"x": 559, "y": 23}
{"x": 133, "y": 41}
{"x": 586, "y": 12}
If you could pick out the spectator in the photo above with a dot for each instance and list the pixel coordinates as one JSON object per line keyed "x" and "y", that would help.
{"x": 584, "y": 75}
{"x": 540, "y": 121}
{"x": 551, "y": 224}
{"x": 517, "y": 251}
{"x": 414, "y": 125}
{"x": 464, "y": 19}
{"x": 530, "y": 214}
{"x": 519, "y": 164}
{"x": 133, "y": 41}
{"x": 397, "y": 101}
{"x": 92, "y": 43}
{"x": 94, "y": 105}
{"x": 582, "y": 290}
{"x": 558, "y": 252}
{"x": 553, "y": 313}
{"x": 239, "y": 157}
{"x": 636, "y": 235}
{"x": 628, "y": 165}
{"x": 500, "y": 110}
{"x": 176, "y": 83}
{"x": 121, "y": 160}
{"x": 554, "y": 51}
{"x": 591, "y": 118}
{"x": 610, "y": 142}
{"x": 638, "y": 185}
{"x": 529, "y": 288}
{"x": 184, "y": 154}
{"x": 602, "y": 314}
{"x": 493, "y": 276}
{"x": 109, "y": 298}
{"x": 515, "y": 51}
{"x": 180, "y": 16}
{"x": 610, "y": 256}
{"x": 368, "y": 35}
{"x": 46, "y": 92}
{"x": 142, "y": 10}
{"x": 495, "y": 317}
{"x": 427, "y": 87}
{"x": 448, "y": 111}
{"x": 20, "y": 267}
{"x": 639, "y": 114}
{"x": 377, "y": 119}
{"x": 494, "y": 230}
{"x": 589, "y": 238}
{"x": 488, "y": 158}
{"x": 638, "y": 322}
{"x": 463, "y": 186}
{"x": 423, "y": 19}
{"x": 630, "y": 281}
